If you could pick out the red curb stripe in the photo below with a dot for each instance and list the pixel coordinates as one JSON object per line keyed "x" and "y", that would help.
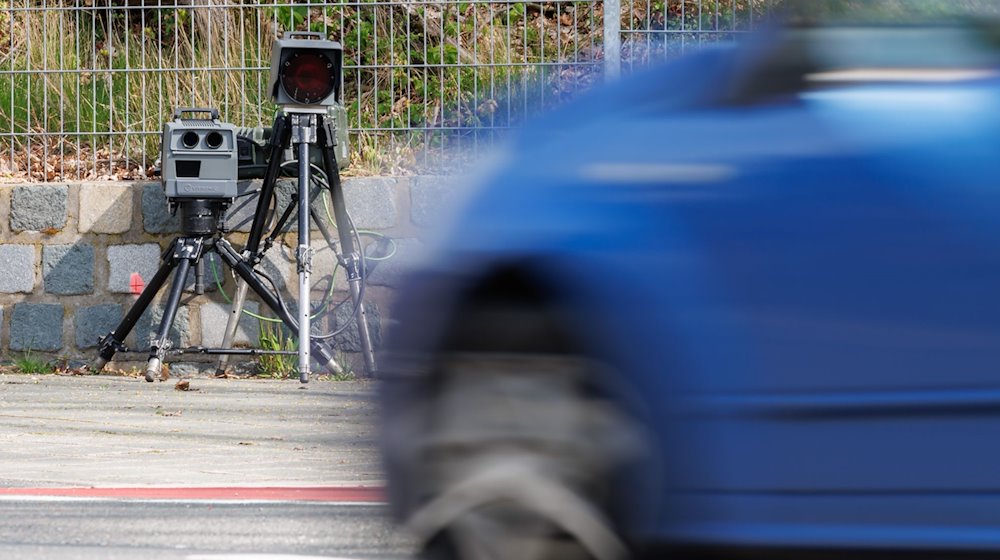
{"x": 275, "y": 493}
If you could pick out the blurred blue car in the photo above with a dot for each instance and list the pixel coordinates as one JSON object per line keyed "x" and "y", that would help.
{"x": 748, "y": 302}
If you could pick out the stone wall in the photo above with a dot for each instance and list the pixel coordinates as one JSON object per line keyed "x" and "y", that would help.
{"x": 71, "y": 256}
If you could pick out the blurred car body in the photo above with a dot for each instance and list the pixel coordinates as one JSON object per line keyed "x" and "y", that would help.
{"x": 747, "y": 301}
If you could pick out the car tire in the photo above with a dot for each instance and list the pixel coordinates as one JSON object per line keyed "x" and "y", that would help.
{"x": 517, "y": 459}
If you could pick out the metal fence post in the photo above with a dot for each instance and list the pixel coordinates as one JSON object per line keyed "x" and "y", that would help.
{"x": 612, "y": 39}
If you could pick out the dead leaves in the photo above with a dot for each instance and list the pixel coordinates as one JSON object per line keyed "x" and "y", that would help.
{"x": 61, "y": 160}
{"x": 64, "y": 369}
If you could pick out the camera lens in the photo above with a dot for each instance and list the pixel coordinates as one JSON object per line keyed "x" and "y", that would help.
{"x": 190, "y": 139}
{"x": 213, "y": 140}
{"x": 308, "y": 76}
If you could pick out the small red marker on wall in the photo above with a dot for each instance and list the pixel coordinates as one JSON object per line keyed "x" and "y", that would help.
{"x": 135, "y": 283}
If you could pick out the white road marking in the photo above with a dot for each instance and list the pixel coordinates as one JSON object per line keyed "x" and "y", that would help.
{"x": 260, "y": 557}
{"x": 32, "y": 498}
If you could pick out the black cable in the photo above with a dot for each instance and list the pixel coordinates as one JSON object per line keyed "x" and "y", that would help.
{"x": 361, "y": 290}
{"x": 324, "y": 182}
{"x": 277, "y": 295}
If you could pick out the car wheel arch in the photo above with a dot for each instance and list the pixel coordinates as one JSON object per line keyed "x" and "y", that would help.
{"x": 520, "y": 307}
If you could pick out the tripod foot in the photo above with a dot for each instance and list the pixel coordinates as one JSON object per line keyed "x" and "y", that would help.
{"x": 331, "y": 366}
{"x": 153, "y": 369}
{"x": 98, "y": 364}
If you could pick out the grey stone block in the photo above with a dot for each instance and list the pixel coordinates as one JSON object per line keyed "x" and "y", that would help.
{"x": 430, "y": 198}
{"x": 91, "y": 323}
{"x": 68, "y": 269}
{"x": 279, "y": 264}
{"x": 239, "y": 217}
{"x": 390, "y": 272}
{"x": 38, "y": 207}
{"x": 148, "y": 325}
{"x": 155, "y": 216}
{"x": 125, "y": 260}
{"x": 324, "y": 264}
{"x": 105, "y": 207}
{"x": 179, "y": 370}
{"x": 17, "y": 269}
{"x": 371, "y": 201}
{"x": 215, "y": 316}
{"x": 36, "y": 326}
{"x": 350, "y": 339}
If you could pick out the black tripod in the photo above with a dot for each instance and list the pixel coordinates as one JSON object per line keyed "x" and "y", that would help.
{"x": 201, "y": 226}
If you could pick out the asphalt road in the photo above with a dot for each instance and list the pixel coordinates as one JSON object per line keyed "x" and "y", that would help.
{"x": 116, "y": 468}
{"x": 115, "y": 431}
{"x": 72, "y": 529}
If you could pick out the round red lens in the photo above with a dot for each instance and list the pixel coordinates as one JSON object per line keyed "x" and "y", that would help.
{"x": 307, "y": 76}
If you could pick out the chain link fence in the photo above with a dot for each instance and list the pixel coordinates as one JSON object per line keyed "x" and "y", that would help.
{"x": 86, "y": 85}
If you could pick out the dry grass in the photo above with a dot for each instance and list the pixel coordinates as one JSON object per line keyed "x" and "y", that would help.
{"x": 414, "y": 71}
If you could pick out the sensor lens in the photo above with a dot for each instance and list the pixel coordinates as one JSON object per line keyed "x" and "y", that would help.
{"x": 213, "y": 140}
{"x": 190, "y": 139}
{"x": 308, "y": 76}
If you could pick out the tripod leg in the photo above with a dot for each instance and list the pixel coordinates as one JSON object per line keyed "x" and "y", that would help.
{"x": 241, "y": 287}
{"x": 352, "y": 254}
{"x": 303, "y": 258}
{"x": 321, "y": 353}
{"x": 160, "y": 345}
{"x": 232, "y": 325}
{"x": 115, "y": 340}
{"x": 279, "y": 140}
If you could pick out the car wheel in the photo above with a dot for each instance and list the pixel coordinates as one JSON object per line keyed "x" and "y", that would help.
{"x": 517, "y": 457}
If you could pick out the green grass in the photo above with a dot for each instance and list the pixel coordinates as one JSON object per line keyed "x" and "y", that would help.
{"x": 413, "y": 65}
{"x": 274, "y": 338}
{"x": 278, "y": 366}
{"x": 346, "y": 368}
{"x": 27, "y": 363}
{"x": 409, "y": 65}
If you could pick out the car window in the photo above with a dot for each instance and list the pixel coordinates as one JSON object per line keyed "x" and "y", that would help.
{"x": 888, "y": 11}
{"x": 939, "y": 46}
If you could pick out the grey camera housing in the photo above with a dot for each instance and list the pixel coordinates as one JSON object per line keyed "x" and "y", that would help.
{"x": 299, "y": 41}
{"x": 199, "y": 156}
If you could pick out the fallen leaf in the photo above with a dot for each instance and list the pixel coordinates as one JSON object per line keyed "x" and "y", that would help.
{"x": 65, "y": 370}
{"x": 183, "y": 385}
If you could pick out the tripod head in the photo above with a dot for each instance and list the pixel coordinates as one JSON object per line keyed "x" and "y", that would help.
{"x": 252, "y": 145}
{"x": 201, "y": 217}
